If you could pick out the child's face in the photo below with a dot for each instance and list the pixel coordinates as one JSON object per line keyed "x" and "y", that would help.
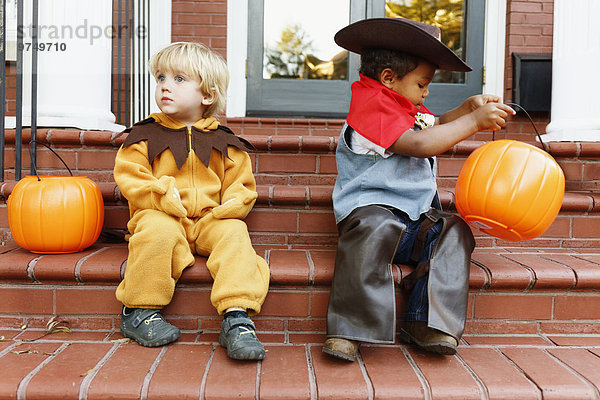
{"x": 414, "y": 85}
{"x": 179, "y": 96}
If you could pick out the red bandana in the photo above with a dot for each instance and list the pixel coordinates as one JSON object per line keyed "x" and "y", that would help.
{"x": 380, "y": 114}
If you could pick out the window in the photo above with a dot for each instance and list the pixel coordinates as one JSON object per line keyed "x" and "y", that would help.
{"x": 294, "y": 67}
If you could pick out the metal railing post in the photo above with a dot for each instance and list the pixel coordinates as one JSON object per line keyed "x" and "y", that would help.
{"x": 2, "y": 85}
{"x": 34, "y": 65}
{"x": 19, "y": 94}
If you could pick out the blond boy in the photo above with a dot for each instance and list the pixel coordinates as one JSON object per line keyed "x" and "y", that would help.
{"x": 189, "y": 184}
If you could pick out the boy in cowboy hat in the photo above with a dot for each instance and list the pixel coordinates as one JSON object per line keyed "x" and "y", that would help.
{"x": 385, "y": 196}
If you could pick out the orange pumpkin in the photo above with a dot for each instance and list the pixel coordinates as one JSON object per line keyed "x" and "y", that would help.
{"x": 55, "y": 214}
{"x": 510, "y": 189}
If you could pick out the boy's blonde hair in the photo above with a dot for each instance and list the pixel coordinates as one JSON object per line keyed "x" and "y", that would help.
{"x": 202, "y": 64}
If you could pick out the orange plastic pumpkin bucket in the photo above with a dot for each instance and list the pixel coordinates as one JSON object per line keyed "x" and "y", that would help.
{"x": 510, "y": 190}
{"x": 55, "y": 214}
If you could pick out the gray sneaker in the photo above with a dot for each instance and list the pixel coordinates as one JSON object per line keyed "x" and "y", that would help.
{"x": 147, "y": 327}
{"x": 238, "y": 336}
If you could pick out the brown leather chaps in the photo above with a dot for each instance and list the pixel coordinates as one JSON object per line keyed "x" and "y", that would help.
{"x": 362, "y": 302}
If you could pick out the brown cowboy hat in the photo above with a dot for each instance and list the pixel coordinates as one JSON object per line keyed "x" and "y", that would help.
{"x": 400, "y": 34}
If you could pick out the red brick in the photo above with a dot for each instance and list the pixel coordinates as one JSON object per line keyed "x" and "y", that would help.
{"x": 575, "y": 340}
{"x": 64, "y": 137}
{"x": 550, "y": 376}
{"x": 15, "y": 264}
{"x": 286, "y": 163}
{"x": 525, "y": 6}
{"x": 260, "y": 220}
{"x": 307, "y": 338}
{"x": 548, "y": 275}
{"x": 561, "y": 227}
{"x": 97, "y": 138}
{"x": 307, "y": 325}
{"x": 336, "y": 379}
{"x": 513, "y": 306}
{"x": 318, "y": 304}
{"x": 570, "y": 327}
{"x": 323, "y": 262}
{"x": 62, "y": 376}
{"x": 191, "y": 301}
{"x": 317, "y": 222}
{"x": 276, "y": 381}
{"x": 104, "y": 266}
{"x": 26, "y": 300}
{"x": 283, "y": 195}
{"x": 60, "y": 267}
{"x": 86, "y": 300}
{"x": 184, "y": 364}
{"x": 219, "y": 382}
{"x": 500, "y": 378}
{"x": 591, "y": 149}
{"x": 96, "y": 159}
{"x": 15, "y": 367}
{"x": 584, "y": 362}
{"x": 293, "y": 304}
{"x": 119, "y": 376}
{"x": 327, "y": 165}
{"x": 436, "y": 371}
{"x": 577, "y": 307}
{"x": 391, "y": 374}
{"x": 586, "y": 227}
{"x": 506, "y": 340}
{"x": 289, "y": 267}
{"x": 573, "y": 170}
{"x": 587, "y": 272}
{"x": 449, "y": 167}
{"x": 505, "y": 274}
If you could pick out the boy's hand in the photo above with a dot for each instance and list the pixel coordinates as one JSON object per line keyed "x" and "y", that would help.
{"x": 165, "y": 197}
{"x": 491, "y": 116}
{"x": 474, "y": 102}
{"x": 235, "y": 208}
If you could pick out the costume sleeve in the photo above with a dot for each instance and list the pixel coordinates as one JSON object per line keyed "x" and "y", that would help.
{"x": 133, "y": 175}
{"x": 238, "y": 192}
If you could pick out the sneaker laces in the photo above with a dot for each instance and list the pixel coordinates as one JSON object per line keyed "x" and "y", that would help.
{"x": 152, "y": 318}
{"x": 246, "y": 331}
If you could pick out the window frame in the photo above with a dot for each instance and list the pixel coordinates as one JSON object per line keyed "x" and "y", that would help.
{"x": 294, "y": 97}
{"x": 237, "y": 46}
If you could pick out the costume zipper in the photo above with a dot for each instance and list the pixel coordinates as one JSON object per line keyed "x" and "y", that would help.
{"x": 191, "y": 159}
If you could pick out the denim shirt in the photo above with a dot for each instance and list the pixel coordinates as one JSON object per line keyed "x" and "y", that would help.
{"x": 405, "y": 183}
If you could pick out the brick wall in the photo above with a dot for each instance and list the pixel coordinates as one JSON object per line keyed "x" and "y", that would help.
{"x": 528, "y": 30}
{"x": 202, "y": 21}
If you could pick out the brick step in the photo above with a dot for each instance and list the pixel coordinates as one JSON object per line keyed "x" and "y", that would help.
{"x": 285, "y": 159}
{"x": 85, "y": 364}
{"x": 512, "y": 290}
{"x": 293, "y": 217}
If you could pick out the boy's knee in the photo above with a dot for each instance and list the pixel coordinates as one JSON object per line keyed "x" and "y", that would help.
{"x": 157, "y": 225}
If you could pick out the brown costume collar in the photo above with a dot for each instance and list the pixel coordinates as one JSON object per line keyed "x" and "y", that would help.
{"x": 161, "y": 138}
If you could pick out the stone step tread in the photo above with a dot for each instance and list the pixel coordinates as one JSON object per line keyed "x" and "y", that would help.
{"x": 516, "y": 269}
{"x": 90, "y": 364}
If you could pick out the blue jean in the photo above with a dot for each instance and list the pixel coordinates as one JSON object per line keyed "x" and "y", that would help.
{"x": 417, "y": 308}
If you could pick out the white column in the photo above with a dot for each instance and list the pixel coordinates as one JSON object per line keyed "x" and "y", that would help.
{"x": 575, "y": 114}
{"x": 74, "y": 65}
{"x": 494, "y": 47}
{"x": 237, "y": 49}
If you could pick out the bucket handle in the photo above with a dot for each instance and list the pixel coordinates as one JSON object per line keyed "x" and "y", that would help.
{"x": 55, "y": 153}
{"x": 532, "y": 124}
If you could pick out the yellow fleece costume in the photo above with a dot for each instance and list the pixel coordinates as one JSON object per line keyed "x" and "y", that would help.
{"x": 178, "y": 207}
